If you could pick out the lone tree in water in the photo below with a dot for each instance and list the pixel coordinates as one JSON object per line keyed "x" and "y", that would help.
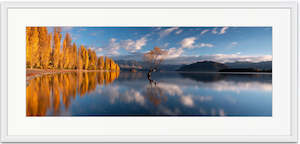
{"x": 153, "y": 59}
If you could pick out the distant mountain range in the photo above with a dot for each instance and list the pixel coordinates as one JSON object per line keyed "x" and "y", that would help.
{"x": 204, "y": 66}
{"x": 261, "y": 65}
{"x": 138, "y": 65}
{"x": 210, "y": 66}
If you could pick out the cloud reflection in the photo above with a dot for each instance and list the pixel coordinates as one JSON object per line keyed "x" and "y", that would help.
{"x": 59, "y": 94}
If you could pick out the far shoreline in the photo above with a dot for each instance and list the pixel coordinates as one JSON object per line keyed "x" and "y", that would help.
{"x": 225, "y": 72}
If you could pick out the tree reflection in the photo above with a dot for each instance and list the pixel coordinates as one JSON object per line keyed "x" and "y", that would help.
{"x": 51, "y": 92}
{"x": 154, "y": 93}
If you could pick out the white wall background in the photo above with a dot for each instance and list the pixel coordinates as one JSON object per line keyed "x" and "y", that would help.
{"x": 179, "y": 1}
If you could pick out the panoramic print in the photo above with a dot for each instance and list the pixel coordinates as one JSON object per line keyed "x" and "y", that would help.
{"x": 149, "y": 71}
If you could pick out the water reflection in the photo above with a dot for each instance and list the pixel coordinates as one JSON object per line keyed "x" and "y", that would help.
{"x": 125, "y": 93}
{"x": 52, "y": 91}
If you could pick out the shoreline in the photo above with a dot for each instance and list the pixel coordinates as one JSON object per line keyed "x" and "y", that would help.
{"x": 226, "y": 72}
{"x": 33, "y": 73}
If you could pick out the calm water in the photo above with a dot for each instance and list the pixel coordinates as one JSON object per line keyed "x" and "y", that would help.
{"x": 125, "y": 93}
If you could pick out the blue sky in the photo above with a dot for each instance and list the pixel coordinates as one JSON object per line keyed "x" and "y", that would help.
{"x": 184, "y": 44}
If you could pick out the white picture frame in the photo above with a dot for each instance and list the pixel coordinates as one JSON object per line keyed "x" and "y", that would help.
{"x": 6, "y": 137}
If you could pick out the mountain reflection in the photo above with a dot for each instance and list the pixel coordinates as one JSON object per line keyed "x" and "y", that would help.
{"x": 126, "y": 93}
{"x": 50, "y": 91}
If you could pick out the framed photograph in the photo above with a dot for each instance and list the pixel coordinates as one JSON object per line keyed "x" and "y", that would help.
{"x": 149, "y": 72}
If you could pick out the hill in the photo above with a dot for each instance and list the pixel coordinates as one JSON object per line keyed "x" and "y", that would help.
{"x": 205, "y": 66}
{"x": 267, "y": 65}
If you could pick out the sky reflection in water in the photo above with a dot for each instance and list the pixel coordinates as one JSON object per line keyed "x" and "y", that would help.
{"x": 131, "y": 94}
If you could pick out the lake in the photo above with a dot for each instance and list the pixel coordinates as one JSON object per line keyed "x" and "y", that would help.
{"x": 131, "y": 94}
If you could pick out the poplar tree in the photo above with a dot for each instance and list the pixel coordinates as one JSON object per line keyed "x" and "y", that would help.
{"x": 34, "y": 42}
{"x": 73, "y": 56}
{"x": 85, "y": 57}
{"x": 67, "y": 51}
{"x": 28, "y": 46}
{"x": 100, "y": 63}
{"x": 107, "y": 63}
{"x": 43, "y": 47}
{"x": 80, "y": 61}
{"x": 56, "y": 47}
{"x": 43, "y": 50}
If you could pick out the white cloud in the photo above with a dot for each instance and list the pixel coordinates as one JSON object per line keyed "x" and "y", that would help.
{"x": 171, "y": 89}
{"x": 185, "y": 43}
{"x": 140, "y": 43}
{"x": 128, "y": 96}
{"x": 222, "y": 58}
{"x": 204, "y": 98}
{"x": 235, "y": 57}
{"x": 133, "y": 96}
{"x": 238, "y": 86}
{"x": 133, "y": 46}
{"x": 204, "y": 31}
{"x": 165, "y": 45}
{"x": 92, "y": 48}
{"x": 188, "y": 42}
{"x": 96, "y": 49}
{"x": 111, "y": 49}
{"x": 187, "y": 101}
{"x": 99, "y": 49}
{"x": 179, "y": 31}
{"x": 221, "y": 112}
{"x": 173, "y": 53}
{"x": 233, "y": 44}
{"x": 204, "y": 45}
{"x": 113, "y": 93}
{"x": 214, "y": 31}
{"x": 223, "y": 30}
{"x": 167, "y": 31}
{"x": 157, "y": 29}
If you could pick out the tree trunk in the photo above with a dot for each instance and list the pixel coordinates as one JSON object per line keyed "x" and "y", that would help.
{"x": 149, "y": 74}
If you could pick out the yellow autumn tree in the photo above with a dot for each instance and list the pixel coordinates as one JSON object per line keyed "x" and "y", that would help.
{"x": 34, "y": 42}
{"x": 79, "y": 59}
{"x": 100, "y": 63}
{"x": 67, "y": 51}
{"x": 56, "y": 47}
{"x": 49, "y": 50}
{"x": 92, "y": 59}
{"x": 85, "y": 57}
{"x": 112, "y": 65}
{"x": 73, "y": 58}
{"x": 28, "y": 46}
{"x": 43, "y": 50}
{"x": 107, "y": 63}
{"x": 44, "y": 47}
